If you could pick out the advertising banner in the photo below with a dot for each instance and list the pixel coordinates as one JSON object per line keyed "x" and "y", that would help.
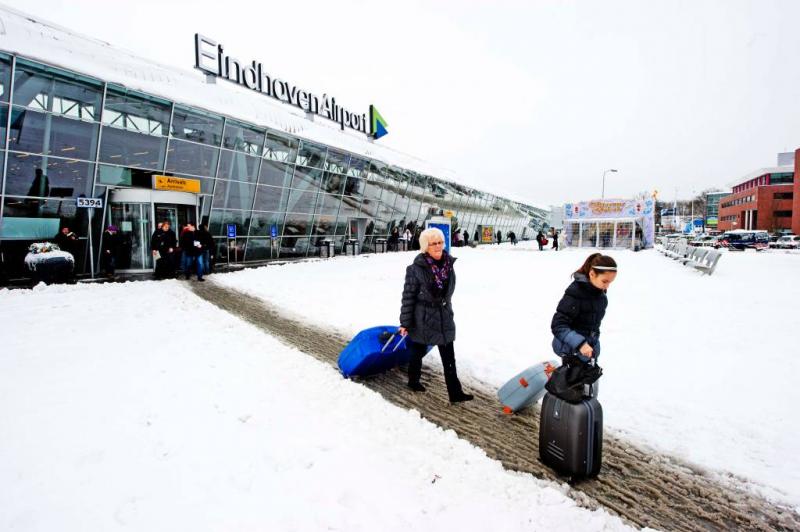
{"x": 487, "y": 234}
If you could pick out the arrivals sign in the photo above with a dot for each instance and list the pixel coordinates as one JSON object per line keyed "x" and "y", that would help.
{"x": 210, "y": 57}
{"x": 179, "y": 184}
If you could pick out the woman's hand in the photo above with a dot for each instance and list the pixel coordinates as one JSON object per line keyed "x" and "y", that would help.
{"x": 402, "y": 331}
{"x": 586, "y": 350}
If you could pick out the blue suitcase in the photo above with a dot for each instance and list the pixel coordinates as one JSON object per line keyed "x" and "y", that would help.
{"x": 374, "y": 351}
{"x": 525, "y": 388}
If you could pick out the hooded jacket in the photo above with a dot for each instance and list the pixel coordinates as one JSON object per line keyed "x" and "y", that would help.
{"x": 426, "y": 314}
{"x": 578, "y": 317}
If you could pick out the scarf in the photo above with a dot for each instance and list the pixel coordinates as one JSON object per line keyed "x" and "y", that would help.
{"x": 440, "y": 272}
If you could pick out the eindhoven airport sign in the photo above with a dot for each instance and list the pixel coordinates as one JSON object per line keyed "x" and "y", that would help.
{"x": 210, "y": 57}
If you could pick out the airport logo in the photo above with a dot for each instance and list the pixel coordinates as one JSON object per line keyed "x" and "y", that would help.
{"x": 377, "y": 123}
{"x": 210, "y": 57}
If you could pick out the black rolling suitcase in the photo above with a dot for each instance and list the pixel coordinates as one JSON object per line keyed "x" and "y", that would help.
{"x": 571, "y": 436}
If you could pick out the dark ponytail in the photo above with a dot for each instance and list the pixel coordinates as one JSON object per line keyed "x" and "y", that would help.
{"x": 599, "y": 263}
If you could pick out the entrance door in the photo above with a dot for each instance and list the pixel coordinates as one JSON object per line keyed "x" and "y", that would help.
{"x": 133, "y": 223}
{"x": 136, "y": 211}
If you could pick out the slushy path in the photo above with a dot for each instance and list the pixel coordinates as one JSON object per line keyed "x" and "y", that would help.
{"x": 645, "y": 488}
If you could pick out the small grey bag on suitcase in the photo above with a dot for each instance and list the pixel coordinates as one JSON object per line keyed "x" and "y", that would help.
{"x": 571, "y": 435}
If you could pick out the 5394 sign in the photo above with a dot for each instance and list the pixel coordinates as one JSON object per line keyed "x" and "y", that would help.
{"x": 90, "y": 203}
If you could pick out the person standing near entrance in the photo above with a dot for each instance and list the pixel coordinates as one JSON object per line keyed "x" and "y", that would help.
{"x": 499, "y": 237}
{"x": 555, "y": 240}
{"x": 207, "y": 249}
{"x": 192, "y": 252}
{"x": 163, "y": 246}
{"x": 426, "y": 314}
{"x": 108, "y": 251}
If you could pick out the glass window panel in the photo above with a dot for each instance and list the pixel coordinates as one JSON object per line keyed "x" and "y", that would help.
{"x": 219, "y": 220}
{"x": 137, "y": 150}
{"x": 276, "y": 174}
{"x": 233, "y": 195}
{"x": 5, "y": 76}
{"x": 337, "y": 162}
{"x": 280, "y": 148}
{"x": 243, "y": 137}
{"x": 40, "y": 219}
{"x": 373, "y": 188}
{"x": 297, "y": 225}
{"x": 37, "y": 132}
{"x": 310, "y": 154}
{"x": 324, "y": 225}
{"x": 307, "y": 178}
{"x": 302, "y": 201}
{"x": 358, "y": 167}
{"x": 333, "y": 183}
{"x": 294, "y": 247}
{"x": 197, "y": 126}
{"x": 237, "y": 165}
{"x": 260, "y": 249}
{"x": 262, "y": 223}
{"x": 355, "y": 187}
{"x": 271, "y": 198}
{"x": 328, "y": 204}
{"x": 136, "y": 112}
{"x": 191, "y": 158}
{"x": 129, "y": 177}
{"x": 54, "y": 90}
{"x": 349, "y": 206}
{"x": 3, "y": 122}
{"x": 29, "y": 175}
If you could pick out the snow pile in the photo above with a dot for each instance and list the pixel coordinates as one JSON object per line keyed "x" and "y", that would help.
{"x": 161, "y": 412}
{"x": 684, "y": 355}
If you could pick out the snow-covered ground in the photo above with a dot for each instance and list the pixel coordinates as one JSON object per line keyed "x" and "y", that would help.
{"x": 138, "y": 406}
{"x": 704, "y": 368}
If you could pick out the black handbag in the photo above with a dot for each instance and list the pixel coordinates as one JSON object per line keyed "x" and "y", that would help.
{"x": 568, "y": 381}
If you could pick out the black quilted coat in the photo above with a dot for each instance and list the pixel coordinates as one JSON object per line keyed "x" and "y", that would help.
{"x": 427, "y": 314}
{"x": 578, "y": 317}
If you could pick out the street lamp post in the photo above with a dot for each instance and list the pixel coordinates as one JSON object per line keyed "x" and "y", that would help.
{"x": 603, "y": 193}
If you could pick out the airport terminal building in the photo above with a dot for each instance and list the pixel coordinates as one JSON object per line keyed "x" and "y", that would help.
{"x": 273, "y": 170}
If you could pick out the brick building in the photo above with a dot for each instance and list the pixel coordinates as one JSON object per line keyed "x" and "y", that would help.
{"x": 765, "y": 199}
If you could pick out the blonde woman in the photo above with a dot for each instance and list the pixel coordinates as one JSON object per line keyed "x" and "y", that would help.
{"x": 426, "y": 313}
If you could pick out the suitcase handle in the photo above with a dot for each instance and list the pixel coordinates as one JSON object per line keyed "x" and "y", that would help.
{"x": 402, "y": 339}
{"x": 389, "y": 341}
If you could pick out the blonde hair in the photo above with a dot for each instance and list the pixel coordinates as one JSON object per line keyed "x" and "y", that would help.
{"x": 425, "y": 237}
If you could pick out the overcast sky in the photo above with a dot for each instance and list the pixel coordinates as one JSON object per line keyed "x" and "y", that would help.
{"x": 531, "y": 98}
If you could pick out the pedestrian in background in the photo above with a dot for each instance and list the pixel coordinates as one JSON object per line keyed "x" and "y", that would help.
{"x": 426, "y": 313}
{"x": 555, "y": 240}
{"x": 192, "y": 253}
{"x": 109, "y": 250}
{"x": 163, "y": 247}
{"x": 207, "y": 250}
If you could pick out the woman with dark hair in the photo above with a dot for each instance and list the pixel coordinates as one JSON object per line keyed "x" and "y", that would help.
{"x": 576, "y": 323}
{"x": 426, "y": 313}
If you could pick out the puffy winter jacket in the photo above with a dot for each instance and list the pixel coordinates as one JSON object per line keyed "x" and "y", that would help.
{"x": 427, "y": 315}
{"x": 578, "y": 317}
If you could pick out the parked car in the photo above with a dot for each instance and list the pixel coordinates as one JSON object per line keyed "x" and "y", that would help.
{"x": 741, "y": 239}
{"x": 788, "y": 242}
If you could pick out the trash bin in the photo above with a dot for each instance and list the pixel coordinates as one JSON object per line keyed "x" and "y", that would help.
{"x": 326, "y": 249}
{"x": 380, "y": 245}
{"x": 352, "y": 247}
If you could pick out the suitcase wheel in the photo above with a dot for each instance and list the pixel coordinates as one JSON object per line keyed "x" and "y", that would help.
{"x": 523, "y": 382}
{"x": 507, "y": 410}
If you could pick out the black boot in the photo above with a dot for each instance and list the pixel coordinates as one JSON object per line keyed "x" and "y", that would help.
{"x": 454, "y": 390}
{"x": 415, "y": 366}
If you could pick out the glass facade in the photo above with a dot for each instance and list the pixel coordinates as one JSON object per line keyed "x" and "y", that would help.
{"x": 66, "y": 135}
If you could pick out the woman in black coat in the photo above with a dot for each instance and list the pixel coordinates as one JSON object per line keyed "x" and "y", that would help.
{"x": 426, "y": 313}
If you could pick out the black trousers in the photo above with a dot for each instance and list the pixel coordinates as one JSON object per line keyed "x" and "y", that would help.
{"x": 418, "y": 352}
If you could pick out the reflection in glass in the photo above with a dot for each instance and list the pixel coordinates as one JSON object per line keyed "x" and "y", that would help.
{"x": 333, "y": 183}
{"x": 233, "y": 195}
{"x": 337, "y": 162}
{"x": 263, "y": 224}
{"x": 126, "y": 148}
{"x": 196, "y": 126}
{"x": 238, "y": 166}
{"x": 328, "y": 204}
{"x": 30, "y": 175}
{"x": 136, "y": 112}
{"x": 307, "y": 178}
{"x": 50, "y": 134}
{"x": 302, "y": 201}
{"x": 275, "y": 174}
{"x": 191, "y": 158}
{"x": 5, "y": 76}
{"x": 311, "y": 155}
{"x": 242, "y": 137}
{"x": 271, "y": 198}
{"x": 220, "y": 218}
{"x": 54, "y": 90}
{"x": 280, "y": 148}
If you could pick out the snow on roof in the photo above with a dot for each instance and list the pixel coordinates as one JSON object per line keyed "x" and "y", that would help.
{"x": 762, "y": 171}
{"x": 34, "y": 38}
